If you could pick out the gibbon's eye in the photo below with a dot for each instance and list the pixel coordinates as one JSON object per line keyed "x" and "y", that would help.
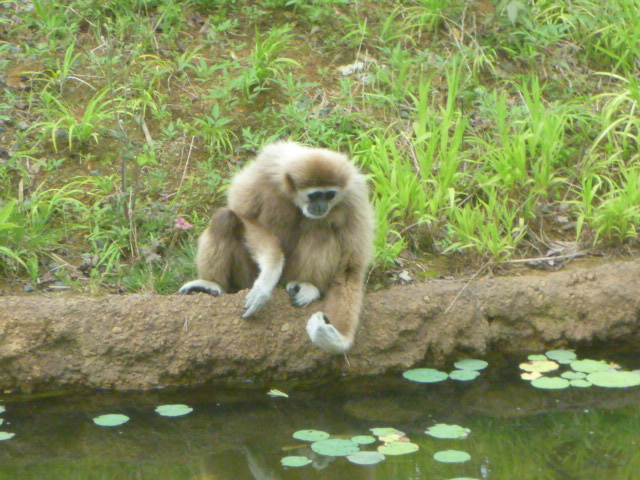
{"x": 330, "y": 195}
{"x": 315, "y": 195}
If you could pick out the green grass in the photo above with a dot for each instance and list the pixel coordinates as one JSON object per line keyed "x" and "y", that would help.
{"x": 488, "y": 131}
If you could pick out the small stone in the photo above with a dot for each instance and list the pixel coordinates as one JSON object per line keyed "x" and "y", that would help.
{"x": 29, "y": 288}
{"x": 285, "y": 327}
{"x": 22, "y": 126}
{"x": 116, "y": 329}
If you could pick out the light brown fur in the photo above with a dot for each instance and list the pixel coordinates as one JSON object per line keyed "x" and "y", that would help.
{"x": 263, "y": 232}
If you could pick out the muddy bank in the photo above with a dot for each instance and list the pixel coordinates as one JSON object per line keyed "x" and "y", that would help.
{"x": 145, "y": 341}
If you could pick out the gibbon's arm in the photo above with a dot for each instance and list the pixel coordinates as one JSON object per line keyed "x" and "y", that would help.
{"x": 266, "y": 252}
{"x": 334, "y": 329}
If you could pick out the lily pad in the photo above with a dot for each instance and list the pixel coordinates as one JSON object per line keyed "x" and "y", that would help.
{"x": 471, "y": 364}
{"x": 335, "y": 447}
{"x": 573, "y": 375}
{"x": 111, "y": 420}
{"x": 295, "y": 461}
{"x": 580, "y": 383}
{"x": 425, "y": 375}
{"x": 452, "y": 456}
{"x": 176, "y": 410}
{"x": 384, "y": 431}
{"x": 539, "y": 366}
{"x": 561, "y": 356}
{"x": 310, "y": 435}
{"x": 464, "y": 375}
{"x": 363, "y": 439}
{"x": 614, "y": 379}
{"x": 365, "y": 458}
{"x": 530, "y": 375}
{"x": 589, "y": 366}
{"x": 2, "y": 409}
{"x": 550, "y": 383}
{"x": 6, "y": 435}
{"x": 398, "y": 448}
{"x": 537, "y": 358}
{"x": 442, "y": 430}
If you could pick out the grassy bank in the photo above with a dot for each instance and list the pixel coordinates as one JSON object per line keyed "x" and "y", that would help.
{"x": 491, "y": 131}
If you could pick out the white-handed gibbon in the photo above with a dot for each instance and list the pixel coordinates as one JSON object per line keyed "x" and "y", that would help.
{"x": 300, "y": 216}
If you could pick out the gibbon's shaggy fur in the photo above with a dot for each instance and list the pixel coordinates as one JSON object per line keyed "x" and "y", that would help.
{"x": 300, "y": 216}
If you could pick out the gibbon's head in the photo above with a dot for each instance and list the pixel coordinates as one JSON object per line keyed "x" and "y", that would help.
{"x": 317, "y": 180}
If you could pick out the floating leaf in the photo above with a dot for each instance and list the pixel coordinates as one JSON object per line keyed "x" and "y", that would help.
{"x": 398, "y": 448}
{"x": 539, "y": 366}
{"x": 550, "y": 383}
{"x": 573, "y": 375}
{"x": 463, "y": 375}
{"x": 442, "y": 430}
{"x": 580, "y": 383}
{"x": 6, "y": 435}
{"x": 452, "y": 456}
{"x": 471, "y": 364}
{"x": 589, "y": 366}
{"x": 393, "y": 437}
{"x": 614, "y": 379}
{"x": 111, "y": 420}
{"x": 363, "y": 439}
{"x": 295, "y": 461}
{"x": 335, "y": 447}
{"x": 310, "y": 435}
{"x": 2, "y": 409}
{"x": 384, "y": 431}
{"x": 274, "y": 392}
{"x": 365, "y": 458}
{"x": 425, "y": 375}
{"x": 537, "y": 358}
{"x": 176, "y": 410}
{"x": 530, "y": 375}
{"x": 561, "y": 356}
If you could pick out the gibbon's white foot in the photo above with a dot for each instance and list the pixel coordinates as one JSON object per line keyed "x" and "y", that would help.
{"x": 325, "y": 335}
{"x": 302, "y": 293}
{"x": 205, "y": 286}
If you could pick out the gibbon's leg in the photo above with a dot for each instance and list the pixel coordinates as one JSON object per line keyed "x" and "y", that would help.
{"x": 266, "y": 252}
{"x": 334, "y": 329}
{"x": 222, "y": 259}
{"x": 302, "y": 293}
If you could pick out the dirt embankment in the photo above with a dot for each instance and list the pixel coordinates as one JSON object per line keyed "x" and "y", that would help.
{"x": 145, "y": 341}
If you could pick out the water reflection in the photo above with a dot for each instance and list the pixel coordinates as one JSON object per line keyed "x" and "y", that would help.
{"x": 240, "y": 433}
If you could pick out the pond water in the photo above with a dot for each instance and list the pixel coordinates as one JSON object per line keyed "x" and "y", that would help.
{"x": 239, "y": 432}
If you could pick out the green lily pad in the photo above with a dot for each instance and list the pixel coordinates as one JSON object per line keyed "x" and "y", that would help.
{"x": 452, "y": 456}
{"x": 111, "y": 420}
{"x": 580, "y": 383}
{"x": 464, "y": 375}
{"x": 295, "y": 461}
{"x": 425, "y": 375}
{"x": 365, "y": 458}
{"x": 561, "y": 356}
{"x": 573, "y": 375}
{"x": 471, "y": 364}
{"x": 589, "y": 366}
{"x": 2, "y": 409}
{"x": 176, "y": 410}
{"x": 442, "y": 430}
{"x": 550, "y": 383}
{"x": 6, "y": 435}
{"x": 398, "y": 448}
{"x": 539, "y": 366}
{"x": 363, "y": 439}
{"x": 614, "y": 379}
{"x": 537, "y": 358}
{"x": 310, "y": 435}
{"x": 335, "y": 447}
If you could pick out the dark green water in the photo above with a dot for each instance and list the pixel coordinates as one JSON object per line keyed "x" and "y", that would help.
{"x": 240, "y": 433}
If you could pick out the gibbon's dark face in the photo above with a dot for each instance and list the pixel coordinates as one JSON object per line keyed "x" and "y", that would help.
{"x": 316, "y": 203}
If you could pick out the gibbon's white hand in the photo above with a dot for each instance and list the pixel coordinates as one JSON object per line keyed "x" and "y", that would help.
{"x": 302, "y": 293}
{"x": 255, "y": 299}
{"x": 325, "y": 335}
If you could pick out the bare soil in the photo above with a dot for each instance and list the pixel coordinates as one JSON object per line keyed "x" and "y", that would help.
{"x": 146, "y": 341}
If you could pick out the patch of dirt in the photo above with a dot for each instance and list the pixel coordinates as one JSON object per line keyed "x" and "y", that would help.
{"x": 146, "y": 341}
